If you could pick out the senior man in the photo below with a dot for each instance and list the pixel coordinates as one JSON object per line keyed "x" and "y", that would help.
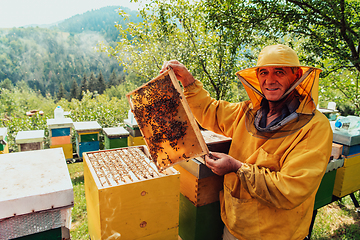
{"x": 280, "y": 145}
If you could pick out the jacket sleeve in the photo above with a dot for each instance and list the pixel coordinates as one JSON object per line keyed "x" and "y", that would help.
{"x": 214, "y": 115}
{"x": 301, "y": 172}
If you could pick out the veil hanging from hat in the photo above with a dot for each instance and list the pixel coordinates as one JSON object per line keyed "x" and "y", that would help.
{"x": 305, "y": 90}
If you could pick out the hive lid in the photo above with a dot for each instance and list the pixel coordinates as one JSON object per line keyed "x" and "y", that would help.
{"x": 115, "y": 131}
{"x": 87, "y": 126}
{"x": 34, "y": 181}
{"x": 343, "y": 137}
{"x": 211, "y": 137}
{"x": 3, "y": 133}
{"x": 130, "y": 124}
{"x": 59, "y": 123}
{"x": 30, "y": 136}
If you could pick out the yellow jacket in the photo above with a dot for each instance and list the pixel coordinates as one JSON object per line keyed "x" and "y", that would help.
{"x": 272, "y": 195}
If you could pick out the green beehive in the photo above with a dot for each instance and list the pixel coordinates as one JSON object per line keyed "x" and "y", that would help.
{"x": 325, "y": 192}
{"x": 3, "y": 140}
{"x": 115, "y": 137}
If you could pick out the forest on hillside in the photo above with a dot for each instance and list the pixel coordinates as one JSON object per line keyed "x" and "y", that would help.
{"x": 61, "y": 57}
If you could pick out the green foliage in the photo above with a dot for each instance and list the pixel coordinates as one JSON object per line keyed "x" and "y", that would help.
{"x": 327, "y": 33}
{"x": 107, "y": 111}
{"x": 45, "y": 58}
{"x": 179, "y": 30}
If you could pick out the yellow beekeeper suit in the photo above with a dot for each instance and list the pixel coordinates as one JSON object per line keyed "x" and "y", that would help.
{"x": 272, "y": 195}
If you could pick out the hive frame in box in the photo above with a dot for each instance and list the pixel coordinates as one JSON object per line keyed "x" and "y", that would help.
{"x": 159, "y": 130}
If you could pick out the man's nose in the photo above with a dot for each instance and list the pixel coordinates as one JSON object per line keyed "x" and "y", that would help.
{"x": 271, "y": 79}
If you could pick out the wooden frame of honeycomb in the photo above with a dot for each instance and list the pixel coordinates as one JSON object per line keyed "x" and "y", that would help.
{"x": 166, "y": 121}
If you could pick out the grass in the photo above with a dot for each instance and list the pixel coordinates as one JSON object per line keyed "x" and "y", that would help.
{"x": 338, "y": 220}
{"x": 79, "y": 224}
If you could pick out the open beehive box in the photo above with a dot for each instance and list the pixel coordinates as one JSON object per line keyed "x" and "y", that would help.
{"x": 128, "y": 198}
{"x": 166, "y": 122}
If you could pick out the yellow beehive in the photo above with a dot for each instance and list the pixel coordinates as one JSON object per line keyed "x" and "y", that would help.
{"x": 67, "y": 149}
{"x": 347, "y": 177}
{"x": 135, "y": 141}
{"x": 127, "y": 198}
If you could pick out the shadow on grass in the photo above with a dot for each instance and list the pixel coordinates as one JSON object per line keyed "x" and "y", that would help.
{"x": 78, "y": 180}
{"x": 346, "y": 232}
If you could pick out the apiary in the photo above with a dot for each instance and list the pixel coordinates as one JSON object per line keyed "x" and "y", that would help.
{"x": 36, "y": 195}
{"x": 4, "y": 147}
{"x": 128, "y": 198}
{"x": 30, "y": 140}
{"x": 60, "y": 135}
{"x": 115, "y": 137}
{"x": 87, "y": 137}
{"x": 165, "y": 120}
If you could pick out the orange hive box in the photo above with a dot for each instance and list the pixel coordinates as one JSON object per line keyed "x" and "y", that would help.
{"x": 166, "y": 122}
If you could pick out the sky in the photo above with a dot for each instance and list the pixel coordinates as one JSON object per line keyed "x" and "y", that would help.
{"x": 17, "y": 13}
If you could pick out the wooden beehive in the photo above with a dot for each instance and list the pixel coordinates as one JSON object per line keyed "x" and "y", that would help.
{"x": 128, "y": 198}
{"x": 166, "y": 122}
{"x": 30, "y": 140}
{"x": 347, "y": 177}
{"x": 199, "y": 188}
{"x": 36, "y": 196}
{"x": 115, "y": 137}
{"x": 4, "y": 147}
{"x": 324, "y": 194}
{"x": 87, "y": 137}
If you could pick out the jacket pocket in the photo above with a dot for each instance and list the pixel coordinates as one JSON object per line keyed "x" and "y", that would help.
{"x": 241, "y": 216}
{"x": 268, "y": 160}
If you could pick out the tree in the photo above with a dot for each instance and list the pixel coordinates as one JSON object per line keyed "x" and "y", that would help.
{"x": 101, "y": 83}
{"x": 61, "y": 92}
{"x": 7, "y": 84}
{"x": 83, "y": 87}
{"x": 74, "y": 90}
{"x": 92, "y": 86}
{"x": 113, "y": 79}
{"x": 329, "y": 29}
{"x": 179, "y": 30}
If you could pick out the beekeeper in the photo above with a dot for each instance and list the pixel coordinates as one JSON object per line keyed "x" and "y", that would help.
{"x": 280, "y": 147}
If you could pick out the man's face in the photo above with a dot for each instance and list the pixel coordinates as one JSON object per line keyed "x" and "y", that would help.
{"x": 274, "y": 81}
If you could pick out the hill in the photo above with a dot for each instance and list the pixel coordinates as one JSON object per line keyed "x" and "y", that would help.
{"x": 102, "y": 20}
{"x": 46, "y": 58}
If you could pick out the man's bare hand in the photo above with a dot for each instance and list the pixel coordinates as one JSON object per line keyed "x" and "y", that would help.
{"x": 221, "y": 163}
{"x": 181, "y": 72}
